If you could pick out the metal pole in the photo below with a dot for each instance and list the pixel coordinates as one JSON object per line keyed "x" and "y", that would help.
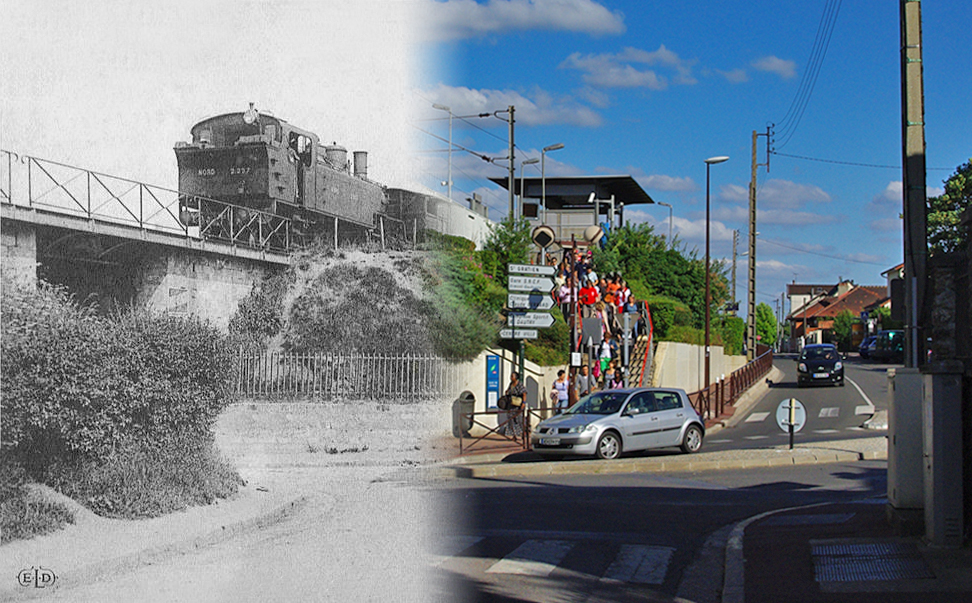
{"x": 450, "y": 154}
{"x": 751, "y": 282}
{"x": 707, "y": 300}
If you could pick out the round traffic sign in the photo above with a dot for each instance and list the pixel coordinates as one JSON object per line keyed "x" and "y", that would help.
{"x": 790, "y": 412}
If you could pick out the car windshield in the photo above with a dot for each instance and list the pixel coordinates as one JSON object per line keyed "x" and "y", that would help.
{"x": 820, "y": 354}
{"x": 600, "y": 403}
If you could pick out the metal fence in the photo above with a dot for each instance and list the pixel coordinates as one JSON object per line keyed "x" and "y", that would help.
{"x": 717, "y": 399}
{"x": 334, "y": 375}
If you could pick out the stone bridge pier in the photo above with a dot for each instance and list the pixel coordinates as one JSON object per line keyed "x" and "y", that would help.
{"x": 181, "y": 279}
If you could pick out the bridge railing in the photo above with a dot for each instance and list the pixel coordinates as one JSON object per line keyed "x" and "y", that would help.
{"x": 346, "y": 376}
{"x": 717, "y": 399}
{"x": 65, "y": 189}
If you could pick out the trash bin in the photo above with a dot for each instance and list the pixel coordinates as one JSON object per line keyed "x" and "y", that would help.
{"x": 461, "y": 407}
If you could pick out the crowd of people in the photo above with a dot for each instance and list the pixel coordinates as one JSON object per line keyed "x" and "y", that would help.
{"x": 605, "y": 297}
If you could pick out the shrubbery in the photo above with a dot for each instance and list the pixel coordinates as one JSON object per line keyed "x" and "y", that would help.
{"x": 81, "y": 389}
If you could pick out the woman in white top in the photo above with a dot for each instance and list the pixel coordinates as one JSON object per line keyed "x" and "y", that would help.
{"x": 559, "y": 392}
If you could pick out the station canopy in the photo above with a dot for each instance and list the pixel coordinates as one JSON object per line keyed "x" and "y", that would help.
{"x": 573, "y": 192}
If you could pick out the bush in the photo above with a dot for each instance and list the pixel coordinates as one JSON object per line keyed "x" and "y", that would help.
{"x": 79, "y": 388}
{"x": 20, "y": 515}
{"x": 667, "y": 313}
{"x": 147, "y": 478}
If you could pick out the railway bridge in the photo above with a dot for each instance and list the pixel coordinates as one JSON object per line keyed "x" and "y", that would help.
{"x": 126, "y": 243}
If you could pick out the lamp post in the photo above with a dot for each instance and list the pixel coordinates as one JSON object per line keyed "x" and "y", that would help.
{"x": 708, "y": 163}
{"x": 449, "y": 109}
{"x": 669, "y": 206}
{"x": 523, "y": 165}
{"x": 543, "y": 176}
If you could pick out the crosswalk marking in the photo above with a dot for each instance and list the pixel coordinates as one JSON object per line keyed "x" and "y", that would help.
{"x": 826, "y": 431}
{"x": 533, "y": 558}
{"x": 757, "y": 417}
{"x": 757, "y": 437}
{"x": 829, "y": 412}
{"x": 451, "y": 546}
{"x": 640, "y": 564}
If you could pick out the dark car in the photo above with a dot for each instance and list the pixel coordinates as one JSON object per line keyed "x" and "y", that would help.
{"x": 820, "y": 363}
{"x": 889, "y": 346}
{"x": 867, "y": 346}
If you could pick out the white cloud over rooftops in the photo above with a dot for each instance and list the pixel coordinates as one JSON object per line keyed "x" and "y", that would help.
{"x": 459, "y": 19}
{"x": 776, "y": 193}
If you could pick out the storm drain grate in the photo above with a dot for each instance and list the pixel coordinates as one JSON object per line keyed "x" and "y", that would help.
{"x": 807, "y": 520}
{"x": 868, "y": 561}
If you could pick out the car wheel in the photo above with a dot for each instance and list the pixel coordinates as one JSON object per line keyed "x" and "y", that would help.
{"x": 609, "y": 446}
{"x": 692, "y": 441}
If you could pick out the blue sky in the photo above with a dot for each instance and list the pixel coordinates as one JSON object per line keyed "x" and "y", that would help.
{"x": 651, "y": 89}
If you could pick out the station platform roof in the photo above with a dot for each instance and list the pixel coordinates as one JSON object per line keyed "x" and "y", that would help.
{"x": 573, "y": 192}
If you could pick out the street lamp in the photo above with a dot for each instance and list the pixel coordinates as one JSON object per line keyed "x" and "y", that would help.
{"x": 669, "y": 206}
{"x": 523, "y": 165}
{"x": 445, "y": 108}
{"x": 543, "y": 176}
{"x": 708, "y": 163}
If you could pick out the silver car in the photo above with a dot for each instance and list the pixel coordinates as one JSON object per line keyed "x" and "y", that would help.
{"x": 608, "y": 422}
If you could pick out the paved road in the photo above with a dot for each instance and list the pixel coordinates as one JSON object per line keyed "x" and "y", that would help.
{"x": 617, "y": 537}
{"x": 833, "y": 413}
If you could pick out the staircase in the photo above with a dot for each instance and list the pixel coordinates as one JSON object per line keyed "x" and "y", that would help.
{"x": 639, "y": 363}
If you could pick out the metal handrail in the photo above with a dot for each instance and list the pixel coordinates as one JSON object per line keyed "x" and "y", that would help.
{"x": 712, "y": 401}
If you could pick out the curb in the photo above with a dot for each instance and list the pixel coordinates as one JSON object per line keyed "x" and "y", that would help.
{"x": 154, "y": 554}
{"x": 649, "y": 465}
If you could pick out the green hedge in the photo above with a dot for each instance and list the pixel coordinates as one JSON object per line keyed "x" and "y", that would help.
{"x": 77, "y": 385}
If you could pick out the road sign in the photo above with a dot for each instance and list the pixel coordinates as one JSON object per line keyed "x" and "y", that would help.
{"x": 541, "y": 284}
{"x": 518, "y": 334}
{"x": 538, "y": 269}
{"x": 528, "y": 301}
{"x": 540, "y": 320}
{"x": 785, "y": 418}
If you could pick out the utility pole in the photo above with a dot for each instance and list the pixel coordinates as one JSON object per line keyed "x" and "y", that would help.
{"x": 913, "y": 160}
{"x": 735, "y": 241}
{"x": 751, "y": 285}
{"x": 511, "y": 109}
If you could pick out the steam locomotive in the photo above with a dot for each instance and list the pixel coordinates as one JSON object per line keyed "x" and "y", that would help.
{"x": 244, "y": 172}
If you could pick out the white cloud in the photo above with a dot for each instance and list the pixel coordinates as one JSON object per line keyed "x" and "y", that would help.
{"x": 458, "y": 19}
{"x": 782, "y": 194}
{"x": 791, "y": 218}
{"x": 736, "y": 76}
{"x": 534, "y": 109}
{"x": 659, "y": 182}
{"x": 784, "y": 69}
{"x": 610, "y": 70}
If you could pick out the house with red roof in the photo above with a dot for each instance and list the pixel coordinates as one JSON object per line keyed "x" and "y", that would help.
{"x": 813, "y": 309}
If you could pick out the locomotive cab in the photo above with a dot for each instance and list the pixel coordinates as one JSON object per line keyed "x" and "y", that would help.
{"x": 248, "y": 159}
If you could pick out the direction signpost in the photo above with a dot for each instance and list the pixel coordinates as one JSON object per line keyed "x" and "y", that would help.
{"x": 529, "y": 301}
{"x": 530, "y": 286}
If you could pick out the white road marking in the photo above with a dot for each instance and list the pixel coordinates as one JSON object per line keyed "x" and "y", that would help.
{"x": 826, "y": 431}
{"x": 640, "y": 564}
{"x": 756, "y": 417}
{"x": 863, "y": 410}
{"x": 757, "y": 437}
{"x": 829, "y": 412}
{"x": 533, "y": 558}
{"x": 451, "y": 546}
{"x": 719, "y": 441}
{"x": 863, "y": 395}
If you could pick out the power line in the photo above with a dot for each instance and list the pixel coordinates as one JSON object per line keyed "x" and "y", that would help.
{"x": 832, "y": 257}
{"x": 835, "y": 161}
{"x": 825, "y": 31}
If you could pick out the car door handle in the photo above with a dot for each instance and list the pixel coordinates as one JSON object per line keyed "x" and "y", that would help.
{"x": 654, "y": 418}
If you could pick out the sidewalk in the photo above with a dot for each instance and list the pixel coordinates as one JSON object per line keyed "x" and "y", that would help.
{"x": 94, "y": 546}
{"x": 839, "y": 552}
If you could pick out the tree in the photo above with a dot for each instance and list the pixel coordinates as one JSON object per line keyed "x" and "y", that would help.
{"x": 944, "y": 234}
{"x": 508, "y": 243}
{"x": 765, "y": 324}
{"x": 844, "y": 329}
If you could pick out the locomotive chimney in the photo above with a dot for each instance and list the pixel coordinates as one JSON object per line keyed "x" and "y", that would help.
{"x": 361, "y": 164}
